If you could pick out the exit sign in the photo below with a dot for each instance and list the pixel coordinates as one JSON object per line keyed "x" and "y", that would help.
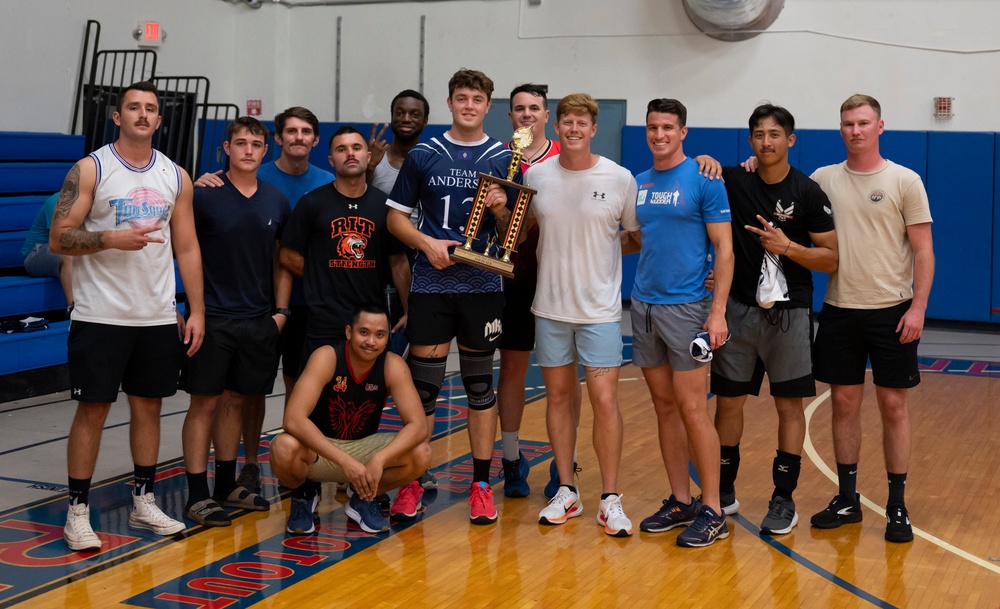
{"x": 149, "y": 34}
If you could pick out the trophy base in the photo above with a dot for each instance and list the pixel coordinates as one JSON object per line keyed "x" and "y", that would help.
{"x": 484, "y": 262}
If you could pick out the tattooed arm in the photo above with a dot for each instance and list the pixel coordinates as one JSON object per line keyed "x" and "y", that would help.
{"x": 75, "y": 201}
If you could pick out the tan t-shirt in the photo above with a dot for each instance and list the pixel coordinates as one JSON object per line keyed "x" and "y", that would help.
{"x": 871, "y": 211}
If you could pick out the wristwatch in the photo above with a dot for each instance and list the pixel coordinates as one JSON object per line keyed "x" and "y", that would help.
{"x": 285, "y": 312}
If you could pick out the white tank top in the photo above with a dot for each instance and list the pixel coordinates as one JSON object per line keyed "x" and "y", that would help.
{"x": 133, "y": 288}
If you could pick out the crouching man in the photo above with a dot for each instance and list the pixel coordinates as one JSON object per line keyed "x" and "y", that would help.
{"x": 331, "y": 424}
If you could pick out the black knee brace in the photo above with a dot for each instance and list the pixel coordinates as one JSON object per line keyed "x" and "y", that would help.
{"x": 477, "y": 376}
{"x": 428, "y": 376}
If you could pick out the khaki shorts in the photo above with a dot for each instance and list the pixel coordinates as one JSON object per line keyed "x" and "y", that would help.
{"x": 362, "y": 450}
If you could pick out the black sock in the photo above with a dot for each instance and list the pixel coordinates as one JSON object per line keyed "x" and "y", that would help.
{"x": 225, "y": 479}
{"x": 144, "y": 475}
{"x": 572, "y": 488}
{"x": 897, "y": 487}
{"x": 606, "y": 495}
{"x": 848, "y": 474}
{"x": 785, "y": 474}
{"x": 197, "y": 488}
{"x": 729, "y": 466}
{"x": 481, "y": 470}
{"x": 79, "y": 491}
{"x": 306, "y": 490}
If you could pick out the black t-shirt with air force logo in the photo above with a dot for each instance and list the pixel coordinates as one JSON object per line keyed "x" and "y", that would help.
{"x": 796, "y": 205}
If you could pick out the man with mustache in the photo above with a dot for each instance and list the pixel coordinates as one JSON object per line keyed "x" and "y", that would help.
{"x": 125, "y": 211}
{"x": 337, "y": 240}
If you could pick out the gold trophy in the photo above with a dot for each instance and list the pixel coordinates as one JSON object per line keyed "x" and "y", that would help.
{"x": 483, "y": 260}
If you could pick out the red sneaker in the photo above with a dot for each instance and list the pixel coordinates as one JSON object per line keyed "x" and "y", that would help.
{"x": 481, "y": 508}
{"x": 407, "y": 502}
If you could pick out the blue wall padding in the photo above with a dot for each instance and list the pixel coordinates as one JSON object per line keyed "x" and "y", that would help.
{"x": 959, "y": 186}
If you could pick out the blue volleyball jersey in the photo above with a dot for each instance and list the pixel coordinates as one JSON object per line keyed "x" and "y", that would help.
{"x": 440, "y": 177}
{"x": 673, "y": 207}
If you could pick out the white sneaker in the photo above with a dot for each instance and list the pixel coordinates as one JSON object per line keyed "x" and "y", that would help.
{"x": 612, "y": 517}
{"x": 78, "y": 533}
{"x": 146, "y": 515}
{"x": 565, "y": 505}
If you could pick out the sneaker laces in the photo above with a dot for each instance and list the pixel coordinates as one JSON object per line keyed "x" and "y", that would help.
{"x": 562, "y": 496}
{"x": 781, "y": 508}
{"x": 613, "y": 508}
{"x": 511, "y": 470}
{"x": 370, "y": 511}
{"x": 152, "y": 512}
{"x": 478, "y": 496}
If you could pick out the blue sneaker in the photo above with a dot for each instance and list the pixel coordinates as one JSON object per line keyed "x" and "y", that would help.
{"x": 300, "y": 516}
{"x": 552, "y": 487}
{"x": 368, "y": 514}
{"x": 670, "y": 515}
{"x": 705, "y": 529}
{"x": 515, "y": 476}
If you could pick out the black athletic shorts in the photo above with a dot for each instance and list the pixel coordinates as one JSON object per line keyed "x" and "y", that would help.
{"x": 144, "y": 361}
{"x": 848, "y": 338}
{"x": 293, "y": 336}
{"x": 240, "y": 355}
{"x": 474, "y": 319}
{"x": 518, "y": 320}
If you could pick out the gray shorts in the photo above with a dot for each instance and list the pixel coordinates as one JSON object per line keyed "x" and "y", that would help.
{"x": 662, "y": 334}
{"x": 41, "y": 262}
{"x": 778, "y": 341}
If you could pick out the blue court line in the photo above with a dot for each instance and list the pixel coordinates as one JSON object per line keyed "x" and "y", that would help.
{"x": 802, "y": 560}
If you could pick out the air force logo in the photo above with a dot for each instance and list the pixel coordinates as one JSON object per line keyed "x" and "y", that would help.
{"x": 784, "y": 212}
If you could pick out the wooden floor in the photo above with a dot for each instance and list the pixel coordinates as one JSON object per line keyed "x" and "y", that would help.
{"x": 443, "y": 561}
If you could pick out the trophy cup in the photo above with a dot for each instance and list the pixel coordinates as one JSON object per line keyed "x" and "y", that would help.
{"x": 483, "y": 260}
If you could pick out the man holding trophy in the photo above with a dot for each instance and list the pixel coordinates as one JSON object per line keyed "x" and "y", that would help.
{"x": 449, "y": 300}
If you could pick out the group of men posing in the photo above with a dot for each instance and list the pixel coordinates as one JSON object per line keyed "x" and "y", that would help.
{"x": 391, "y": 214}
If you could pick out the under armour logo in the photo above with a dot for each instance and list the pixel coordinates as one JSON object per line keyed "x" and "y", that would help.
{"x": 77, "y": 391}
{"x": 352, "y": 206}
{"x": 599, "y": 195}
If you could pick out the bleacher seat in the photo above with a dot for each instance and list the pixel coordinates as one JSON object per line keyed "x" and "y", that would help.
{"x": 30, "y": 350}
{"x": 32, "y": 177}
{"x": 10, "y": 248}
{"x": 25, "y": 295}
{"x": 26, "y": 146}
{"x": 17, "y": 213}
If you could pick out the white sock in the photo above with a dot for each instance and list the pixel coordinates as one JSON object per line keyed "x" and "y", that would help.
{"x": 511, "y": 449}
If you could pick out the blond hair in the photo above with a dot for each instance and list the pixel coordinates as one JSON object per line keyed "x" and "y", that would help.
{"x": 577, "y": 102}
{"x": 858, "y": 100}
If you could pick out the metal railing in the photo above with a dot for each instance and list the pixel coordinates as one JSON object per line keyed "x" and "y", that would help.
{"x": 211, "y": 133}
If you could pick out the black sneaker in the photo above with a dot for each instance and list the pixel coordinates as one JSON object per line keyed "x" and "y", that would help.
{"x": 898, "y": 529}
{"x": 840, "y": 511}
